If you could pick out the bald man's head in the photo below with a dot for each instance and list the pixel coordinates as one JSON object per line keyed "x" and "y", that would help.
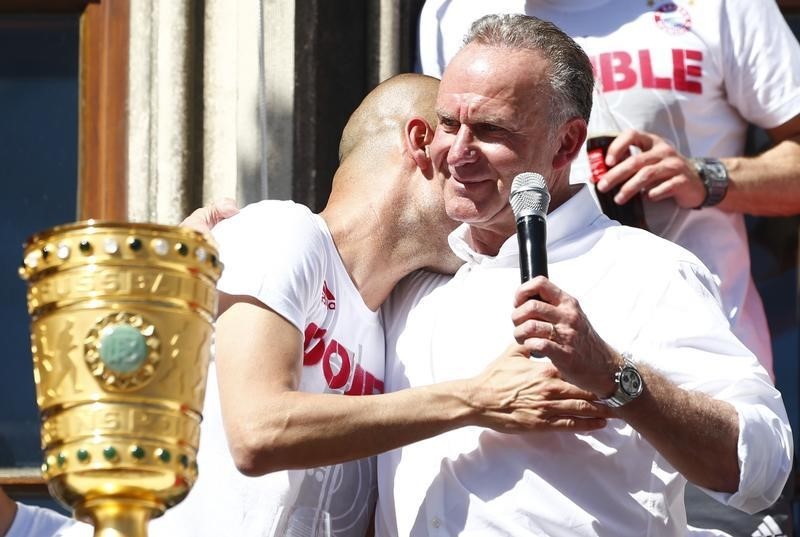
{"x": 385, "y": 179}
{"x": 382, "y": 115}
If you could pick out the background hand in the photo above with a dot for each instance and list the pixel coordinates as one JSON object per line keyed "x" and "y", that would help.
{"x": 659, "y": 171}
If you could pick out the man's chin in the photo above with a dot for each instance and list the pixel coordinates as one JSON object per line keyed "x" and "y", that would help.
{"x": 462, "y": 210}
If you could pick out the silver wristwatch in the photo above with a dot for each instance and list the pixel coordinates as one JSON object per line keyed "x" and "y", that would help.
{"x": 629, "y": 384}
{"x": 714, "y": 175}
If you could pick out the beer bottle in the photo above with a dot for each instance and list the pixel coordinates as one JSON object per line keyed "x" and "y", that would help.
{"x": 603, "y": 128}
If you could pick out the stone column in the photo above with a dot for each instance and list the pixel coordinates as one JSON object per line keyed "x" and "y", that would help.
{"x": 163, "y": 118}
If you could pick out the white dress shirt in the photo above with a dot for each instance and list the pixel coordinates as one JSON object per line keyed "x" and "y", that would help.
{"x": 642, "y": 294}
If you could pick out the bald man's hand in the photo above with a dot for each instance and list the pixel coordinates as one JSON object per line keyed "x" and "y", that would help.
{"x": 518, "y": 395}
{"x": 205, "y": 218}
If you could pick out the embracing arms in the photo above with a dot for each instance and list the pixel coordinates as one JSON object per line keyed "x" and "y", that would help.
{"x": 271, "y": 425}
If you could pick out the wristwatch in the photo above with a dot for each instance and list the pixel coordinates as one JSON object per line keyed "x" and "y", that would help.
{"x": 714, "y": 175}
{"x": 629, "y": 384}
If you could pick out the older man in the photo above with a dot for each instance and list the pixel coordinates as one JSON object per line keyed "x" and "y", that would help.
{"x": 627, "y": 316}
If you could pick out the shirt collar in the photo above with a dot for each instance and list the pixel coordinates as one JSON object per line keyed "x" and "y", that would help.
{"x": 577, "y": 213}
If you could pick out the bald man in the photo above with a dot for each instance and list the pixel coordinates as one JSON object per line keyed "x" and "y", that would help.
{"x": 300, "y": 338}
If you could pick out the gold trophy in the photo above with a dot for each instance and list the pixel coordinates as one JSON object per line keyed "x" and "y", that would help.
{"x": 120, "y": 335}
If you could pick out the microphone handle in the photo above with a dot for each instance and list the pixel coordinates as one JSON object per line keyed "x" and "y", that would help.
{"x": 532, "y": 237}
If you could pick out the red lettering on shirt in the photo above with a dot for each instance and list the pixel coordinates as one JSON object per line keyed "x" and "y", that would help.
{"x": 682, "y": 71}
{"x": 316, "y": 349}
{"x": 648, "y": 79}
{"x": 339, "y": 379}
{"x": 617, "y": 70}
{"x": 371, "y": 384}
{"x": 313, "y": 355}
{"x": 327, "y": 297}
{"x": 364, "y": 383}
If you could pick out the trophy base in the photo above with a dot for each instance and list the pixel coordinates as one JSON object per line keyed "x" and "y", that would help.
{"x": 118, "y": 517}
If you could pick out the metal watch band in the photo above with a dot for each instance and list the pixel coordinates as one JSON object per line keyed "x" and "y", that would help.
{"x": 714, "y": 175}
{"x": 629, "y": 384}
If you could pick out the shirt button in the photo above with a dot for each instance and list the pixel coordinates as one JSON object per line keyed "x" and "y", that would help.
{"x": 435, "y": 522}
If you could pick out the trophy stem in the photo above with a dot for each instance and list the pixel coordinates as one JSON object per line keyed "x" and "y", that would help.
{"x": 118, "y": 518}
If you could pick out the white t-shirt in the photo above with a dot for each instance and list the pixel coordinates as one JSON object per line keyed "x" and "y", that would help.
{"x": 693, "y": 72}
{"x": 33, "y": 521}
{"x": 643, "y": 295}
{"x": 282, "y": 254}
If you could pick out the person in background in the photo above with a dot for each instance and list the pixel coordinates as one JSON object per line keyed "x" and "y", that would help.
{"x": 626, "y": 315}
{"x": 682, "y": 80}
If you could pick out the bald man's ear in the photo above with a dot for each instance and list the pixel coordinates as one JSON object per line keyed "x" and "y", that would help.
{"x": 571, "y": 137}
{"x": 418, "y": 135}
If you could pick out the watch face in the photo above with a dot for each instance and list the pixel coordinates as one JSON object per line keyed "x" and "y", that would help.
{"x": 716, "y": 170}
{"x": 630, "y": 381}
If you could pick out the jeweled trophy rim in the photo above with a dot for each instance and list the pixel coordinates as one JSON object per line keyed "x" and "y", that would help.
{"x": 110, "y": 224}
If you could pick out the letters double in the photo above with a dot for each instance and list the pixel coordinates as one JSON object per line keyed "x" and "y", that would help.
{"x": 317, "y": 349}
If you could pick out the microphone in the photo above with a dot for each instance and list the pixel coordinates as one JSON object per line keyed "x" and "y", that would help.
{"x": 529, "y": 200}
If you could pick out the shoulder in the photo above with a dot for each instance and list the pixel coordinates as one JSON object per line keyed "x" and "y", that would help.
{"x": 743, "y": 8}
{"x": 33, "y": 521}
{"x": 256, "y": 218}
{"x": 641, "y": 253}
{"x": 642, "y": 247}
{"x": 409, "y": 293}
{"x": 268, "y": 229}
{"x": 416, "y": 286}
{"x": 754, "y": 22}
{"x": 276, "y": 251}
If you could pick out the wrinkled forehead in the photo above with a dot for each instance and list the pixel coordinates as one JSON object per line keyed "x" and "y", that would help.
{"x": 481, "y": 74}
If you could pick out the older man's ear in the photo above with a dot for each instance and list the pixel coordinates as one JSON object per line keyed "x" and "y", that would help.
{"x": 418, "y": 136}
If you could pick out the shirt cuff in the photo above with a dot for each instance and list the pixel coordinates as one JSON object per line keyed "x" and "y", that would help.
{"x": 765, "y": 450}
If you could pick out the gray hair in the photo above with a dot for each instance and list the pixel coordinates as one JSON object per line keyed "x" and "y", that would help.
{"x": 570, "y": 72}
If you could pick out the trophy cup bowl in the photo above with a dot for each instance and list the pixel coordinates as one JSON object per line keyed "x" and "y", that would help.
{"x": 121, "y": 331}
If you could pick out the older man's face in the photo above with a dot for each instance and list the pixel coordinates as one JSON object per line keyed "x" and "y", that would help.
{"x": 493, "y": 108}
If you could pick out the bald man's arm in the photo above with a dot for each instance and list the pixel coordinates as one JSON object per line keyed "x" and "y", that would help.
{"x": 272, "y": 426}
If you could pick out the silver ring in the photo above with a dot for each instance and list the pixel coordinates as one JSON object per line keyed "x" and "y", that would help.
{"x": 553, "y": 333}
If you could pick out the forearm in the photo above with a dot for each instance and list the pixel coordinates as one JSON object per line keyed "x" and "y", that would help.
{"x": 697, "y": 434}
{"x": 271, "y": 425}
{"x": 767, "y": 184}
{"x": 299, "y": 430}
{"x": 512, "y": 395}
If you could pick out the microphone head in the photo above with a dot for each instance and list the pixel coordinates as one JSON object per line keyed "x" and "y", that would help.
{"x": 529, "y": 195}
